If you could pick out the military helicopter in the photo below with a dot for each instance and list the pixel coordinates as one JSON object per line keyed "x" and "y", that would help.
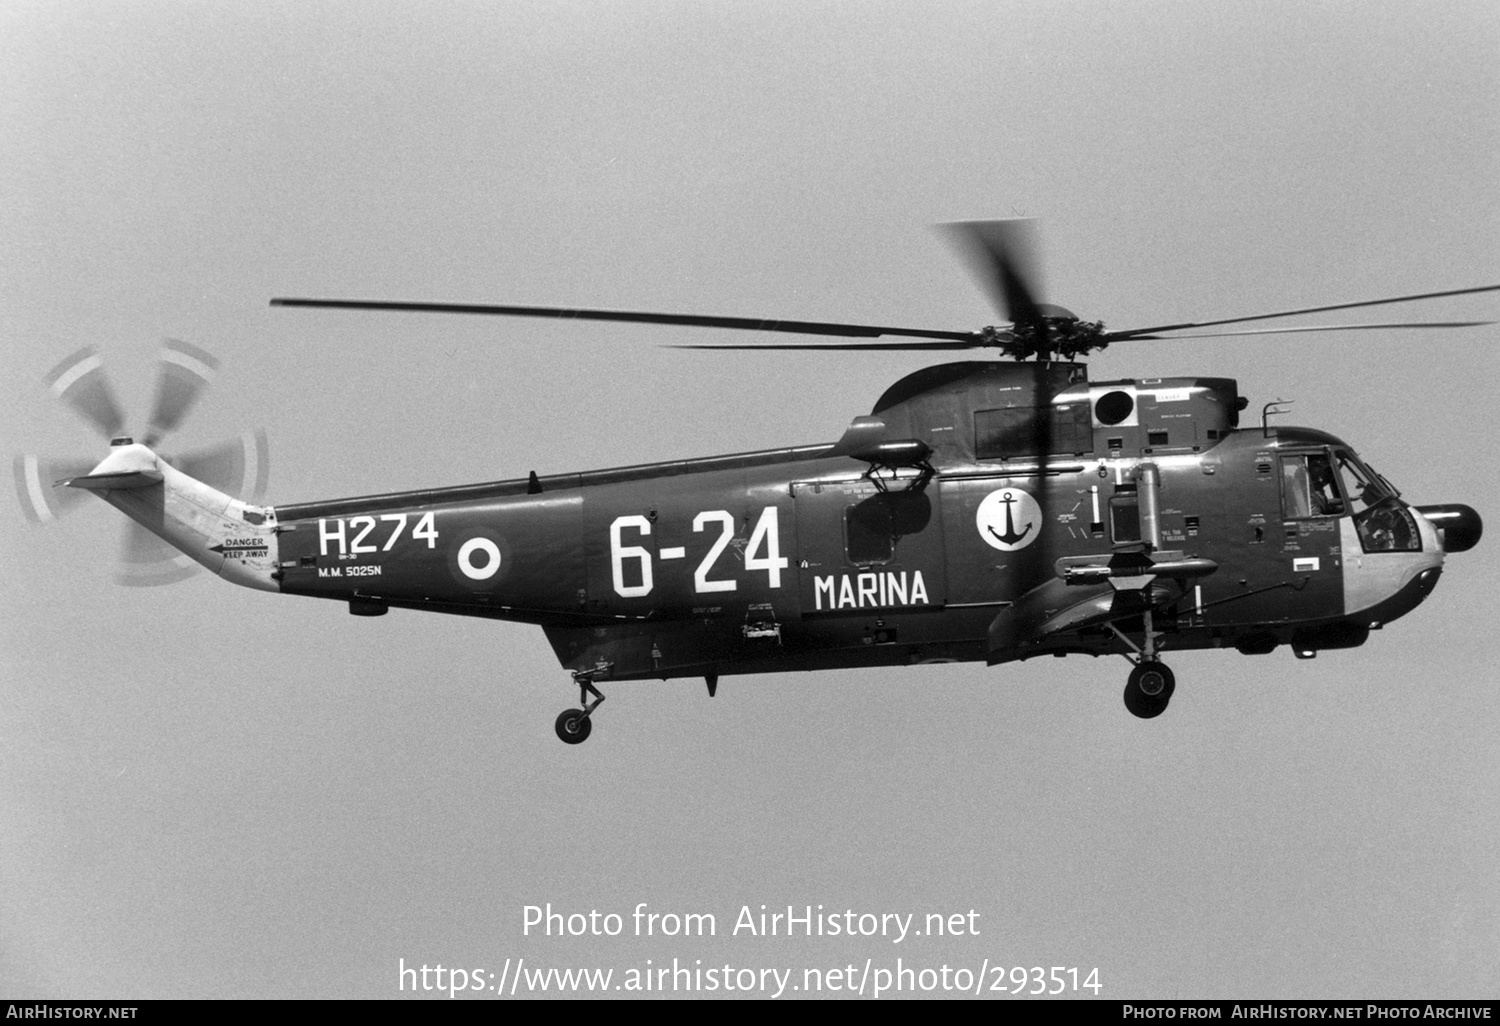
{"x": 993, "y": 510}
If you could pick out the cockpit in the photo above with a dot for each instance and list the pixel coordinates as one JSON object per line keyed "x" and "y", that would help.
{"x": 1333, "y": 482}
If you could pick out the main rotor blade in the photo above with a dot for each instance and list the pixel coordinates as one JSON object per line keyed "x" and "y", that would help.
{"x": 239, "y": 468}
{"x": 629, "y": 316}
{"x": 79, "y": 381}
{"x": 184, "y": 372}
{"x": 1314, "y": 327}
{"x": 1142, "y": 332}
{"x": 1002, "y": 256}
{"x": 891, "y": 347}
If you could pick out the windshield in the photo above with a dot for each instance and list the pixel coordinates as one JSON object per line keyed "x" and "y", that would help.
{"x": 1384, "y": 524}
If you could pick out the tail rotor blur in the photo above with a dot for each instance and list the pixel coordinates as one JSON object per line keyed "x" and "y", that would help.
{"x": 40, "y": 502}
{"x": 239, "y": 467}
{"x": 79, "y": 382}
{"x": 185, "y": 371}
{"x": 146, "y": 560}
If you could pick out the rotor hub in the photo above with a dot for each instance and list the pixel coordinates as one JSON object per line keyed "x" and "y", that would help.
{"x": 1063, "y": 335}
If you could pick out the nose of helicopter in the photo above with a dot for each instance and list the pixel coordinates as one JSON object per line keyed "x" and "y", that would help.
{"x": 1459, "y": 526}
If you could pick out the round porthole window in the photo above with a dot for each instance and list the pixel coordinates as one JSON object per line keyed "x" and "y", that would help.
{"x": 1114, "y": 407}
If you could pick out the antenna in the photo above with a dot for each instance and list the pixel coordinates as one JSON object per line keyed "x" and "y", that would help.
{"x": 1274, "y": 408}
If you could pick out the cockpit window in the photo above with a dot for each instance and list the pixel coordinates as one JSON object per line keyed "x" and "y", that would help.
{"x": 1308, "y": 488}
{"x": 1364, "y": 488}
{"x": 1383, "y": 522}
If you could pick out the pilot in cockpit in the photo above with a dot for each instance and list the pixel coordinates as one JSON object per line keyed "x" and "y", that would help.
{"x": 1325, "y": 494}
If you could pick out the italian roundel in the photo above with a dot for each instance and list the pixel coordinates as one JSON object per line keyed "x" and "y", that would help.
{"x": 1008, "y": 519}
{"x": 477, "y": 557}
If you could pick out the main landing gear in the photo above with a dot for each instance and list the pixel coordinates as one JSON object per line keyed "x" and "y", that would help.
{"x": 1149, "y": 687}
{"x": 573, "y": 725}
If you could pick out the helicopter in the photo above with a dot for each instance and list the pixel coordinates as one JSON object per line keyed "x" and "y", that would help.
{"x": 990, "y": 510}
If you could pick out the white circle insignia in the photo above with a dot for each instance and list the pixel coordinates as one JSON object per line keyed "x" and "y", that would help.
{"x": 485, "y": 571}
{"x": 1008, "y": 519}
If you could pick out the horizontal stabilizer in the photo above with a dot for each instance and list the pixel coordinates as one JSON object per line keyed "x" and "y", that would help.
{"x": 110, "y": 482}
{"x": 40, "y": 502}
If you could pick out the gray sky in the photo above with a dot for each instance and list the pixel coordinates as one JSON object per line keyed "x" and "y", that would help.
{"x": 207, "y": 791}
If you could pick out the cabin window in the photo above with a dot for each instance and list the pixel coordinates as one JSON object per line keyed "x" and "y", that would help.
{"x": 1017, "y": 431}
{"x": 1001, "y": 433}
{"x": 868, "y": 537}
{"x": 1125, "y": 518}
{"x": 1114, "y": 407}
{"x": 1072, "y": 428}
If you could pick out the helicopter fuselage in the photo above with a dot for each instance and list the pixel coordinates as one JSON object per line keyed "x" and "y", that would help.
{"x": 1028, "y": 512}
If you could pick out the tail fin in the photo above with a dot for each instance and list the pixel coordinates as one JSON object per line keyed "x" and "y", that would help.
{"x": 234, "y": 539}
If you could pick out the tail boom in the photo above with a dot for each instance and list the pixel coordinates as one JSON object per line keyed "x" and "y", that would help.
{"x": 233, "y": 539}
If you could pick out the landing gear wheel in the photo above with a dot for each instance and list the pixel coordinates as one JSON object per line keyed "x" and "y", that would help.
{"x": 1149, "y": 689}
{"x": 573, "y": 727}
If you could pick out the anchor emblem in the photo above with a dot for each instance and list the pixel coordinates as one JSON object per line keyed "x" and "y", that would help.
{"x": 1010, "y": 537}
{"x": 1000, "y": 515}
